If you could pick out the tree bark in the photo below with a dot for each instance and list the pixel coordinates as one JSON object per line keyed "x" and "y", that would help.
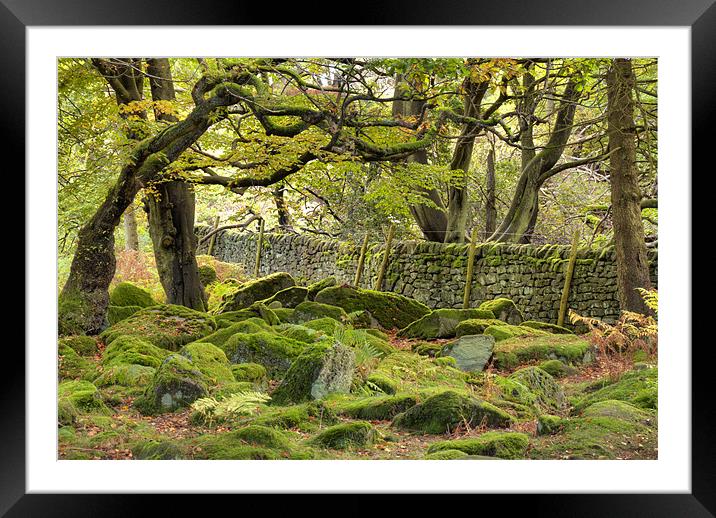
{"x": 284, "y": 216}
{"x": 131, "y": 237}
{"x": 171, "y": 209}
{"x": 490, "y": 208}
{"x": 632, "y": 264}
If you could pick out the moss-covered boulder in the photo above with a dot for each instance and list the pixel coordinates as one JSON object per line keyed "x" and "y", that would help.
{"x": 78, "y": 397}
{"x": 73, "y": 366}
{"x": 300, "y": 333}
{"x": 639, "y": 388}
{"x": 475, "y": 326}
{"x": 557, "y": 369}
{"x": 289, "y": 297}
{"x": 248, "y": 326}
{"x": 118, "y": 313}
{"x": 545, "y": 326}
{"x": 446, "y": 455}
{"x": 128, "y": 294}
{"x": 81, "y": 344}
{"x": 131, "y": 350}
{"x": 354, "y": 435}
{"x": 314, "y": 288}
{"x": 168, "y": 326}
{"x": 548, "y": 393}
{"x": 413, "y": 373}
{"x": 210, "y": 360}
{"x": 307, "y": 311}
{"x": 252, "y": 372}
{"x": 319, "y": 370}
{"x": 504, "y": 445}
{"x": 503, "y": 309}
{"x": 384, "y": 383}
{"x": 441, "y": 323}
{"x": 377, "y": 408}
{"x": 446, "y": 411}
{"x": 471, "y": 352}
{"x": 569, "y": 349}
{"x": 275, "y": 352}
{"x": 432, "y": 349}
{"x": 309, "y": 416}
{"x": 176, "y": 384}
{"x": 548, "y": 424}
{"x": 507, "y": 331}
{"x": 390, "y": 310}
{"x": 254, "y": 291}
{"x": 252, "y": 442}
{"x": 207, "y": 274}
{"x": 326, "y": 325}
{"x": 126, "y": 375}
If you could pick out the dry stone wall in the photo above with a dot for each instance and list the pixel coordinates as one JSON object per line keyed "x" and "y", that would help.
{"x": 434, "y": 273}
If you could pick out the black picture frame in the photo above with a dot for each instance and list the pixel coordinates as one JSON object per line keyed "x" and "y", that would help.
{"x": 700, "y": 15}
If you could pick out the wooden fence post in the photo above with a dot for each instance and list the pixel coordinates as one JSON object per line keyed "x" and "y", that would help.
{"x": 259, "y": 246}
{"x": 470, "y": 268}
{"x": 361, "y": 260}
{"x": 384, "y": 264}
{"x": 568, "y": 280}
{"x": 212, "y": 240}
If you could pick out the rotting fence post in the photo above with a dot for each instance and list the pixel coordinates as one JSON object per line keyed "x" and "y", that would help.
{"x": 259, "y": 246}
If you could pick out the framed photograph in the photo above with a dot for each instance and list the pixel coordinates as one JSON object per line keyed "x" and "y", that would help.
{"x": 360, "y": 255}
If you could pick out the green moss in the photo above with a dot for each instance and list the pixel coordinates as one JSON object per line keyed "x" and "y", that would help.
{"x": 504, "y": 445}
{"x": 377, "y": 408}
{"x": 298, "y": 332}
{"x": 378, "y": 334}
{"x": 176, "y": 384}
{"x": 252, "y": 372}
{"x": 228, "y": 388}
{"x": 442, "y": 323}
{"x": 126, "y": 375}
{"x": 507, "y": 331}
{"x": 306, "y": 417}
{"x": 77, "y": 397}
{"x": 210, "y": 360}
{"x": 73, "y": 366}
{"x": 157, "y": 450}
{"x": 128, "y": 294}
{"x": 413, "y": 372}
{"x": 446, "y": 455}
{"x": 319, "y": 370}
{"x": 259, "y": 289}
{"x": 307, "y": 311}
{"x": 431, "y": 349}
{"x": 547, "y": 391}
{"x": 81, "y": 344}
{"x": 518, "y": 351}
{"x": 284, "y": 315}
{"x": 289, "y": 297}
{"x": 362, "y": 335}
{"x": 445, "y": 411}
{"x": 133, "y": 350}
{"x": 390, "y": 310}
{"x": 384, "y": 383}
{"x": 251, "y": 443}
{"x": 446, "y": 361}
{"x": 326, "y": 325}
{"x": 251, "y": 325}
{"x": 544, "y": 326}
{"x": 314, "y": 288}
{"x": 548, "y": 424}
{"x": 74, "y": 312}
{"x": 557, "y": 368}
{"x": 357, "y": 434}
{"x": 640, "y": 388}
{"x": 265, "y": 312}
{"x": 207, "y": 274}
{"x": 167, "y": 326}
{"x": 273, "y": 351}
{"x": 503, "y": 309}
{"x": 263, "y": 436}
{"x": 475, "y": 326}
{"x": 118, "y": 313}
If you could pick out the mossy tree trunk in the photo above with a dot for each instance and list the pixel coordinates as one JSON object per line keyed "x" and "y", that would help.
{"x": 630, "y": 247}
{"x": 171, "y": 209}
{"x": 490, "y": 204}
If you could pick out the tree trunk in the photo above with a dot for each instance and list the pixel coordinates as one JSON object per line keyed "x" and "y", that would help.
{"x": 131, "y": 237}
{"x": 284, "y": 216}
{"x": 490, "y": 208}
{"x": 632, "y": 264}
{"x": 171, "y": 214}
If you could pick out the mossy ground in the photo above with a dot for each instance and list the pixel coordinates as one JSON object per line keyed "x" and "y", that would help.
{"x": 538, "y": 398}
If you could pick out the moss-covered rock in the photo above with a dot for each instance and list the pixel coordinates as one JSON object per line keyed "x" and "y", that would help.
{"x": 377, "y": 408}
{"x": 251, "y": 372}
{"x": 357, "y": 434}
{"x": 81, "y": 344}
{"x": 78, "y": 397}
{"x": 253, "y": 291}
{"x": 306, "y": 417}
{"x": 446, "y": 455}
{"x": 431, "y": 349}
{"x": 265, "y": 312}
{"x": 475, "y": 326}
{"x": 263, "y": 436}
{"x": 168, "y": 326}
{"x": 249, "y": 443}
{"x": 569, "y": 349}
{"x": 314, "y": 288}
{"x": 362, "y": 338}
{"x": 248, "y": 326}
{"x": 390, "y": 310}
{"x": 157, "y": 450}
{"x": 326, "y": 325}
{"x": 507, "y": 331}
{"x": 503, "y": 309}
{"x": 207, "y": 274}
{"x": 289, "y": 297}
{"x": 504, "y": 445}
{"x": 118, "y": 313}
{"x": 414, "y": 373}
{"x": 285, "y": 315}
{"x": 442, "y": 323}
{"x": 548, "y": 424}
{"x": 639, "y": 388}
{"x": 176, "y": 384}
{"x": 471, "y": 352}
{"x": 73, "y": 366}
{"x": 131, "y": 350}
{"x": 275, "y": 352}
{"x": 446, "y": 411}
{"x": 301, "y": 333}
{"x": 385, "y": 383}
{"x": 307, "y": 311}
{"x": 128, "y": 294}
{"x": 548, "y": 393}
{"x": 126, "y": 375}
{"x": 210, "y": 360}
{"x": 319, "y": 370}
{"x": 550, "y": 328}
{"x": 557, "y": 369}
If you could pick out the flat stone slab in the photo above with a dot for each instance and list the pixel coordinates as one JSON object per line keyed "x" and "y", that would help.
{"x": 471, "y": 352}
